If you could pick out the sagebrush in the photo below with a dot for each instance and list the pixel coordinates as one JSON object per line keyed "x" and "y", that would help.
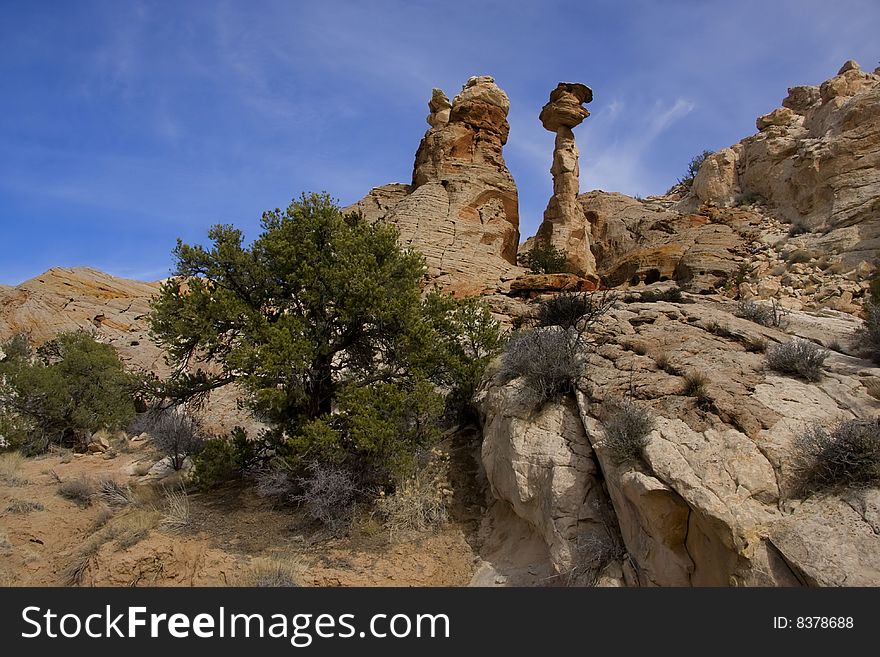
{"x": 846, "y": 457}
{"x": 799, "y": 357}
{"x": 548, "y": 360}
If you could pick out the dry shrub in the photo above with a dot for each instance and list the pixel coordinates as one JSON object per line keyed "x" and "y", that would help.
{"x": 773, "y": 314}
{"x": 848, "y": 457}
{"x": 547, "y": 359}
{"x": 868, "y": 336}
{"x": 328, "y": 495}
{"x": 627, "y": 426}
{"x": 798, "y": 357}
{"x": 79, "y": 490}
{"x": 420, "y": 500}
{"x": 873, "y": 387}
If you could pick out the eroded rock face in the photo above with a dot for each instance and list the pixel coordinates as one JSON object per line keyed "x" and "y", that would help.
{"x": 462, "y": 210}
{"x": 709, "y": 502}
{"x": 815, "y": 160}
{"x": 640, "y": 242}
{"x": 565, "y": 225}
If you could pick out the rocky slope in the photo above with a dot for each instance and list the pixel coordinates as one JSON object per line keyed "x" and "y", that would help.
{"x": 710, "y": 503}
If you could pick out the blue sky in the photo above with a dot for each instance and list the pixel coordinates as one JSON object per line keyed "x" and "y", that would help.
{"x": 124, "y": 125}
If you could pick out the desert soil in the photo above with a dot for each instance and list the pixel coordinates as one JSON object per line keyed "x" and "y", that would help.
{"x": 230, "y": 530}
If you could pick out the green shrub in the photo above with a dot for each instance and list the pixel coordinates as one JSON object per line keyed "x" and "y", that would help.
{"x": 799, "y": 357}
{"x": 215, "y": 463}
{"x": 846, "y": 457}
{"x": 544, "y": 258}
{"x": 627, "y": 426}
{"x": 72, "y": 387}
{"x": 547, "y": 359}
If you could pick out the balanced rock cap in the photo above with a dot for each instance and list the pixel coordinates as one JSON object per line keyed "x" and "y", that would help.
{"x": 565, "y": 106}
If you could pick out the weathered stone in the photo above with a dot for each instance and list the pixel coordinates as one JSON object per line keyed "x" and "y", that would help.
{"x": 716, "y": 181}
{"x": 461, "y": 211}
{"x": 533, "y": 284}
{"x": 706, "y": 504}
{"x": 565, "y": 225}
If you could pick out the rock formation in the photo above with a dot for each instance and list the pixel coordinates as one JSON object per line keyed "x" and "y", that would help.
{"x": 709, "y": 503}
{"x": 565, "y": 225}
{"x": 461, "y": 211}
{"x": 815, "y": 161}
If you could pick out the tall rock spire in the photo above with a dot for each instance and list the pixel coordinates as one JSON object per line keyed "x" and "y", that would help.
{"x": 565, "y": 225}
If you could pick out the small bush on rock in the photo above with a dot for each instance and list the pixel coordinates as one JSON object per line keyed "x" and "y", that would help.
{"x": 627, "y": 426}
{"x": 544, "y": 258}
{"x": 577, "y": 311}
{"x": 766, "y": 315}
{"x": 868, "y": 336}
{"x": 846, "y": 457}
{"x": 547, "y": 359}
{"x": 798, "y": 357}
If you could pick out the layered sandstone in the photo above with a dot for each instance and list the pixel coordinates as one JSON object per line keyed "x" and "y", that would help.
{"x": 461, "y": 210}
{"x": 565, "y": 225}
{"x": 709, "y": 503}
{"x": 815, "y": 161}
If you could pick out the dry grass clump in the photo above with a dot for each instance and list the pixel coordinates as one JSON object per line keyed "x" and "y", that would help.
{"x": 420, "y": 500}
{"x": 114, "y": 494}
{"x": 270, "y": 573}
{"x": 79, "y": 490}
{"x": 133, "y": 527}
{"x": 24, "y": 506}
{"x": 696, "y": 384}
{"x": 176, "y": 517}
{"x": 10, "y": 469}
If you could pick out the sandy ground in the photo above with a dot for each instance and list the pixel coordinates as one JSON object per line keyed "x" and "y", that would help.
{"x": 230, "y": 532}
